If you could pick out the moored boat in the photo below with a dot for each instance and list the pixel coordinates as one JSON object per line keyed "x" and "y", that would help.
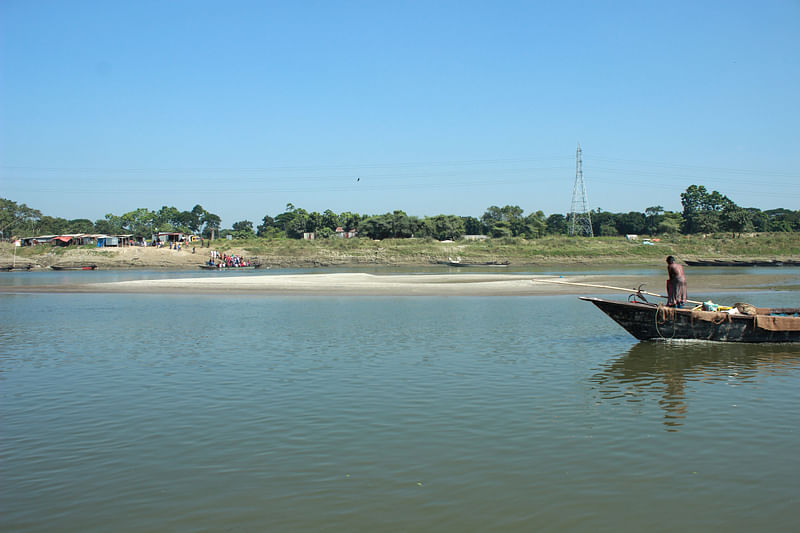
{"x": 648, "y": 321}
{"x": 459, "y": 263}
{"x": 73, "y": 267}
{"x": 738, "y": 263}
{"x": 13, "y": 268}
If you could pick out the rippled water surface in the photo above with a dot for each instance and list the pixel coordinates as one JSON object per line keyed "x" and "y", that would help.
{"x": 185, "y": 413}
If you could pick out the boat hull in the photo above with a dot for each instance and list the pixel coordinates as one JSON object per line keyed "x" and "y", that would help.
{"x": 653, "y": 322}
{"x": 487, "y": 264}
{"x": 80, "y": 267}
{"x": 226, "y": 268}
{"x": 721, "y": 263}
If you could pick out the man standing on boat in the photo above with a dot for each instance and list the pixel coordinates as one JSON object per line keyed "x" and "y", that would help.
{"x": 676, "y": 284}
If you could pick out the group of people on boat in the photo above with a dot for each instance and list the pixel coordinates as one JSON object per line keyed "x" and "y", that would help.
{"x": 227, "y": 261}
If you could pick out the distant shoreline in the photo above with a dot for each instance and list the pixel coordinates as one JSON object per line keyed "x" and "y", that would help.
{"x": 547, "y": 252}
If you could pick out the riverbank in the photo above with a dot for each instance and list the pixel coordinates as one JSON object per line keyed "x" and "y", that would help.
{"x": 516, "y": 253}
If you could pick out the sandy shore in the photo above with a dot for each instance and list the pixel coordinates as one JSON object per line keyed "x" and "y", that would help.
{"x": 362, "y": 284}
{"x": 344, "y": 284}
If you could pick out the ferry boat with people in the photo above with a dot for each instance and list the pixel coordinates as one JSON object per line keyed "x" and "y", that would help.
{"x": 226, "y": 267}
{"x": 228, "y": 262}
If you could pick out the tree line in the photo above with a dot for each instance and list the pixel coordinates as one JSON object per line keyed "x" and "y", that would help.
{"x": 703, "y": 212}
{"x": 22, "y": 221}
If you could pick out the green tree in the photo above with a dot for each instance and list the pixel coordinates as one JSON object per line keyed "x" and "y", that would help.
{"x": 314, "y": 222}
{"x": 702, "y": 210}
{"x": 509, "y": 217}
{"x": 396, "y": 225}
{"x": 292, "y": 221}
{"x": 80, "y": 225}
{"x": 195, "y": 222}
{"x": 17, "y": 219}
{"x": 267, "y": 227}
{"x": 670, "y": 223}
{"x": 211, "y": 223}
{"x": 376, "y": 227}
{"x": 557, "y": 224}
{"x": 759, "y": 219}
{"x": 653, "y": 217}
{"x": 243, "y": 230}
{"x": 500, "y": 229}
{"x": 402, "y": 225}
{"x": 172, "y": 218}
{"x": 736, "y": 219}
{"x": 444, "y": 227}
{"x": 141, "y": 223}
{"x": 113, "y": 225}
{"x": 330, "y": 220}
{"x": 185, "y": 221}
{"x": 350, "y": 221}
{"x": 47, "y": 225}
{"x": 472, "y": 226}
{"x": 299, "y": 224}
{"x": 630, "y": 223}
{"x": 604, "y": 223}
{"x": 325, "y": 233}
{"x": 535, "y": 225}
{"x": 102, "y": 225}
{"x": 783, "y": 219}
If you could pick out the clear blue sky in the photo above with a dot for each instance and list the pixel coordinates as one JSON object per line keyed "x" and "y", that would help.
{"x": 439, "y": 107}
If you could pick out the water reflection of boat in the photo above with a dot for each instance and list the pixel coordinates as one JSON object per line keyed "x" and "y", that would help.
{"x": 647, "y": 321}
{"x": 668, "y": 370}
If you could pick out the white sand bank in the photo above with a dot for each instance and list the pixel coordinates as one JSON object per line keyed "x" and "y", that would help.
{"x": 343, "y": 283}
{"x": 357, "y": 284}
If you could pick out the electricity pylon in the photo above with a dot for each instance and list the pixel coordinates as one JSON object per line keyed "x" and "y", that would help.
{"x": 581, "y": 218}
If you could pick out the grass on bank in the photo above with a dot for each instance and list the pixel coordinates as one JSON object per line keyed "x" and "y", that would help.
{"x": 519, "y": 250}
{"x": 516, "y": 250}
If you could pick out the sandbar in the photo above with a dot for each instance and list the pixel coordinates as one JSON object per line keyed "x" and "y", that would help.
{"x": 365, "y": 284}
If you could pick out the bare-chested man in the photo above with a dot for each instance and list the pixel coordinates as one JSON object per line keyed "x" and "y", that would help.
{"x": 676, "y": 284}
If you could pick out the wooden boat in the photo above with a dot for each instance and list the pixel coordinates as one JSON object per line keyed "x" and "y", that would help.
{"x": 648, "y": 321}
{"x": 215, "y": 267}
{"x": 735, "y": 263}
{"x": 456, "y": 263}
{"x": 73, "y": 267}
{"x": 11, "y": 268}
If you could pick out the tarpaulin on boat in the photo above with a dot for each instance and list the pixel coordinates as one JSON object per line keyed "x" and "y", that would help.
{"x": 778, "y": 323}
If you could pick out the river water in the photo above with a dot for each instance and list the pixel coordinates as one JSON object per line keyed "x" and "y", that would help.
{"x": 123, "y": 412}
